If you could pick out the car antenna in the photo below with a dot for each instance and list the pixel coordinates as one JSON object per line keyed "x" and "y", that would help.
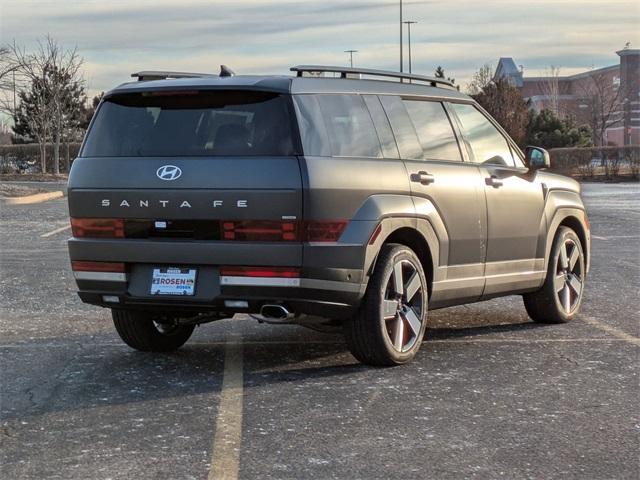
{"x": 226, "y": 71}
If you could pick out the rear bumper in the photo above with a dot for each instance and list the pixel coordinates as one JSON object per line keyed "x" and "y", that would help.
{"x": 312, "y": 297}
{"x": 329, "y": 291}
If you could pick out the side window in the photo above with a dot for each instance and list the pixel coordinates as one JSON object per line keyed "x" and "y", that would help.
{"x": 434, "y": 130}
{"x": 383, "y": 129}
{"x": 403, "y": 130}
{"x": 486, "y": 141}
{"x": 349, "y": 126}
{"x": 315, "y": 141}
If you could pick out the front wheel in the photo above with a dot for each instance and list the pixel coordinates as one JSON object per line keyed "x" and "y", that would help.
{"x": 559, "y": 299}
{"x": 389, "y": 327}
{"x": 149, "y": 333}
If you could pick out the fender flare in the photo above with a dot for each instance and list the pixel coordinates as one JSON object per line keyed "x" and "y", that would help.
{"x": 395, "y": 212}
{"x": 560, "y": 217}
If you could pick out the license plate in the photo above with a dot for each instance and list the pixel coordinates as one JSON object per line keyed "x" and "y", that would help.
{"x": 173, "y": 281}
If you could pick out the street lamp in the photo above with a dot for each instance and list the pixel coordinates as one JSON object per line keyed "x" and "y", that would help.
{"x": 401, "y": 62}
{"x": 409, "y": 23}
{"x": 351, "y": 52}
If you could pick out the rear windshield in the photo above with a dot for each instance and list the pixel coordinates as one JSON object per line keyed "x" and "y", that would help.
{"x": 168, "y": 124}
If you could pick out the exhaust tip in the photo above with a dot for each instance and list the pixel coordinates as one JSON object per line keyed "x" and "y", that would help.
{"x": 275, "y": 312}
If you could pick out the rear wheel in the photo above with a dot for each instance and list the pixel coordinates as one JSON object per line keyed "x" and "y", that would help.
{"x": 150, "y": 333}
{"x": 559, "y": 299}
{"x": 390, "y": 325}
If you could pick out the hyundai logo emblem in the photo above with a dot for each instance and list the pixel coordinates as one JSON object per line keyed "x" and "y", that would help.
{"x": 169, "y": 172}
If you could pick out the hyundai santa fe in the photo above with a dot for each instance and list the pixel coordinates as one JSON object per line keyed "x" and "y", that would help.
{"x": 335, "y": 198}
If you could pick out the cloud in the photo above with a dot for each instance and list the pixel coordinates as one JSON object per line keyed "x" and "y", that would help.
{"x": 260, "y": 36}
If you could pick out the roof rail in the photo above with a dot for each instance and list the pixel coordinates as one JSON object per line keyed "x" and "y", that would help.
{"x": 160, "y": 75}
{"x": 344, "y": 71}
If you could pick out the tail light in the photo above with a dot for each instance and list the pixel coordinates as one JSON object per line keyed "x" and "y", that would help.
{"x": 260, "y": 230}
{"x": 324, "y": 231}
{"x": 82, "y": 266}
{"x": 261, "y": 272}
{"x": 98, "y": 227}
{"x": 233, "y": 230}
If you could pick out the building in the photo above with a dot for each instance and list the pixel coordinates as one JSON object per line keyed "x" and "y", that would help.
{"x": 607, "y": 99}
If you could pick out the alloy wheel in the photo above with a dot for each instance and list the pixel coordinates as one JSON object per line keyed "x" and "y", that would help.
{"x": 402, "y": 305}
{"x": 569, "y": 277}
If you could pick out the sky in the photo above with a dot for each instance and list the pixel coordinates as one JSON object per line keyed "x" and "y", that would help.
{"x": 117, "y": 37}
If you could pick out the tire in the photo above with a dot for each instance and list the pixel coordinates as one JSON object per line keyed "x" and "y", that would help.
{"x": 147, "y": 333}
{"x": 389, "y": 327}
{"x": 559, "y": 299}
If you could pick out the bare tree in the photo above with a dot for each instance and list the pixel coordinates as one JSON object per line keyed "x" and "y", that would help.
{"x": 8, "y": 86}
{"x": 603, "y": 101}
{"x": 51, "y": 71}
{"x": 551, "y": 89}
{"x": 504, "y": 102}
{"x": 480, "y": 79}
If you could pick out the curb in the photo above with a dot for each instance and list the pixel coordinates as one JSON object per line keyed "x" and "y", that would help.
{"x": 37, "y": 198}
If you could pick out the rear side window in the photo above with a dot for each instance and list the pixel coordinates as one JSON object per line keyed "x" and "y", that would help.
{"x": 434, "y": 130}
{"x": 405, "y": 134}
{"x": 487, "y": 143}
{"x": 339, "y": 126}
{"x": 385, "y": 135}
{"x": 205, "y": 123}
{"x": 349, "y": 126}
{"x": 311, "y": 125}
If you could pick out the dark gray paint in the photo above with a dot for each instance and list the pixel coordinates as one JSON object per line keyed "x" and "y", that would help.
{"x": 483, "y": 239}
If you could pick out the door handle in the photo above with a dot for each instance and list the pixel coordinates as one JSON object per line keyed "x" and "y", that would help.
{"x": 423, "y": 177}
{"x": 493, "y": 181}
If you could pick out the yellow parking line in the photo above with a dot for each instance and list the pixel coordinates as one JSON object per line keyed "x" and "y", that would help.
{"x": 57, "y": 230}
{"x": 225, "y": 454}
{"x": 36, "y": 198}
{"x": 616, "y": 332}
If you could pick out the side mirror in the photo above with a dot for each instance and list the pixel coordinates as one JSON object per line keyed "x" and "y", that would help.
{"x": 537, "y": 158}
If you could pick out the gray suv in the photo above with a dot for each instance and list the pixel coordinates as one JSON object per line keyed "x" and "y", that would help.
{"x": 337, "y": 198}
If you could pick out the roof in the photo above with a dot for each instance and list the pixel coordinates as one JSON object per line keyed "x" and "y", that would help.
{"x": 576, "y": 76}
{"x": 290, "y": 84}
{"x": 507, "y": 69}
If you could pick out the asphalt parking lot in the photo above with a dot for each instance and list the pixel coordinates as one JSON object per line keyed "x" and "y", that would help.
{"x": 490, "y": 395}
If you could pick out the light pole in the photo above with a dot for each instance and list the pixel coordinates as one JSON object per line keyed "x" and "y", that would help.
{"x": 401, "y": 62}
{"x": 351, "y": 52}
{"x": 409, "y": 23}
{"x": 14, "y": 92}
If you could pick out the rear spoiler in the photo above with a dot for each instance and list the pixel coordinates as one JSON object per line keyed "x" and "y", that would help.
{"x": 162, "y": 75}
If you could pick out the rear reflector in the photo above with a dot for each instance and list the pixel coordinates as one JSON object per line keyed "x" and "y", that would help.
{"x": 236, "y": 304}
{"x": 375, "y": 234}
{"x": 98, "y": 227}
{"x": 260, "y": 272}
{"x": 82, "y": 266}
{"x": 324, "y": 231}
{"x": 260, "y": 230}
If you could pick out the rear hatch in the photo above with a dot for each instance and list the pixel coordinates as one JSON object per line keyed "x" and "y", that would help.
{"x": 203, "y": 167}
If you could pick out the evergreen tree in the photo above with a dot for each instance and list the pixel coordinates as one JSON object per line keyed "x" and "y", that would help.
{"x": 548, "y": 131}
{"x": 31, "y": 121}
{"x": 440, "y": 74}
{"x": 52, "y": 109}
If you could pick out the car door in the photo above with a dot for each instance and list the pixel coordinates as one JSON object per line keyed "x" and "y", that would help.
{"x": 515, "y": 202}
{"x": 433, "y": 158}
